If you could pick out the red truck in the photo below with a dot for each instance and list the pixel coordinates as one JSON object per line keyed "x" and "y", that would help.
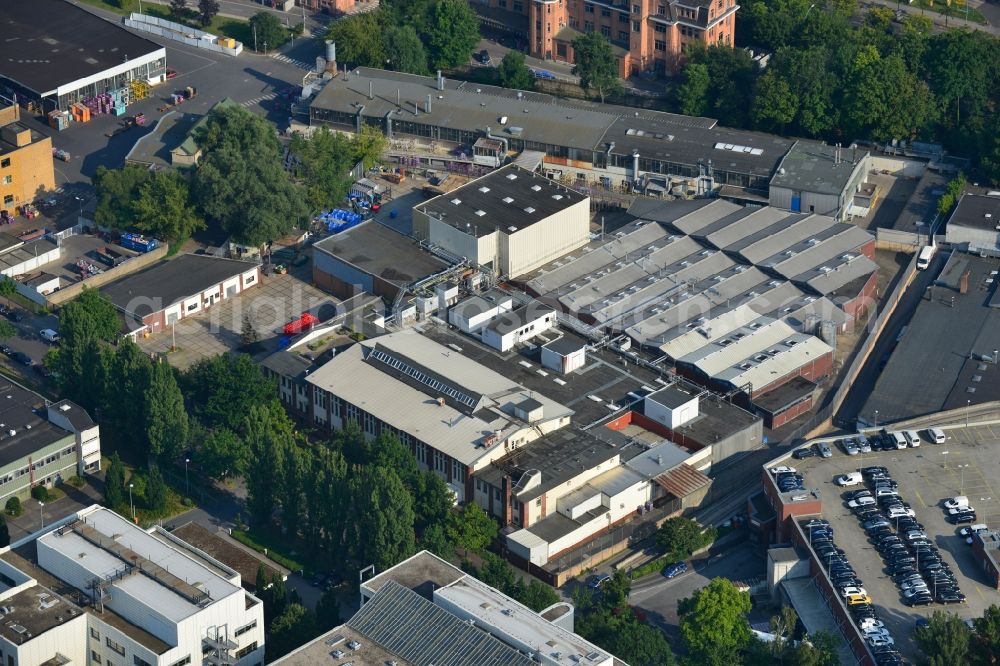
{"x": 303, "y": 323}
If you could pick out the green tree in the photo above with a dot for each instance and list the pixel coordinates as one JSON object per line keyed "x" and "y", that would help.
{"x": 360, "y": 41}
{"x": 368, "y": 146}
{"x": 596, "y": 64}
{"x": 7, "y": 330}
{"x": 328, "y": 611}
{"x": 782, "y": 626}
{"x": 818, "y": 649}
{"x": 952, "y": 193}
{"x": 384, "y": 527}
{"x": 13, "y": 506}
{"x": 986, "y": 641}
{"x": 156, "y": 491}
{"x": 292, "y": 473}
{"x": 114, "y": 483}
{"x": 4, "y": 532}
{"x": 7, "y": 287}
{"x": 641, "y": 644}
{"x": 207, "y": 10}
{"x": 81, "y": 362}
{"x": 451, "y": 32}
{"x": 261, "y": 582}
{"x": 945, "y": 640}
{"x": 223, "y": 454}
{"x": 178, "y": 9}
{"x": 328, "y": 502}
{"x": 116, "y": 189}
{"x": 164, "y": 209}
{"x": 248, "y": 333}
{"x": 538, "y": 596}
{"x": 293, "y": 627}
{"x": 680, "y": 537}
{"x": 692, "y": 95}
{"x": 128, "y": 372}
{"x": 126, "y": 5}
{"x": 241, "y": 181}
{"x": 615, "y": 591}
{"x": 513, "y": 73}
{"x": 432, "y": 500}
{"x": 775, "y": 105}
{"x": 270, "y": 32}
{"x": 713, "y": 623}
{"x": 324, "y": 166}
{"x": 404, "y": 52}
{"x": 472, "y": 529}
{"x": 435, "y": 539}
{"x": 222, "y": 389}
{"x": 165, "y": 414}
{"x": 268, "y": 433}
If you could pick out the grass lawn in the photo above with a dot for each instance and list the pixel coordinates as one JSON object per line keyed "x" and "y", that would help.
{"x": 272, "y": 545}
{"x": 957, "y": 9}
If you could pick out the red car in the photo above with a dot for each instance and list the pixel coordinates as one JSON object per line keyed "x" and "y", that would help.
{"x": 303, "y": 323}
{"x": 171, "y": 74}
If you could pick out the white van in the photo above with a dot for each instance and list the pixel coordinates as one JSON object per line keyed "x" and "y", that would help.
{"x": 936, "y": 435}
{"x": 852, "y": 479}
{"x": 899, "y": 439}
{"x": 925, "y": 256}
{"x": 912, "y": 438}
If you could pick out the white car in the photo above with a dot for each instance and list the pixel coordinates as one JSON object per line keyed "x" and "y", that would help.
{"x": 901, "y": 512}
{"x": 959, "y": 509}
{"x": 861, "y": 501}
{"x": 782, "y": 469}
{"x": 49, "y": 335}
{"x": 959, "y": 502}
{"x": 870, "y": 623}
{"x": 881, "y": 641}
{"x": 916, "y": 534}
{"x": 847, "y": 480}
{"x": 876, "y": 633}
{"x": 852, "y": 589}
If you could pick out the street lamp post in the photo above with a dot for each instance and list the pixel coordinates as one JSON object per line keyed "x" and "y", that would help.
{"x": 41, "y": 514}
{"x": 80, "y": 200}
{"x": 187, "y": 484}
{"x": 876, "y": 419}
{"x": 968, "y": 404}
{"x": 130, "y": 502}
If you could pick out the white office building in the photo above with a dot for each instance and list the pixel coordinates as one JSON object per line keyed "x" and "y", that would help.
{"x": 139, "y": 598}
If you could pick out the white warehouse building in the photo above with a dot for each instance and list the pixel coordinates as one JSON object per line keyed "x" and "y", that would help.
{"x": 511, "y": 220}
{"x": 142, "y": 598}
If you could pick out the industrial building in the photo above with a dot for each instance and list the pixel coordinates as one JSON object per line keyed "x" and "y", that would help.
{"x": 371, "y": 258}
{"x": 974, "y": 225}
{"x": 426, "y": 611}
{"x": 828, "y": 180}
{"x": 43, "y": 443}
{"x": 645, "y": 37}
{"x": 511, "y": 221}
{"x": 650, "y": 151}
{"x": 683, "y": 262}
{"x": 62, "y": 54}
{"x": 187, "y": 285}
{"x": 26, "y": 168}
{"x": 962, "y": 355}
{"x": 986, "y": 547}
{"x": 94, "y": 588}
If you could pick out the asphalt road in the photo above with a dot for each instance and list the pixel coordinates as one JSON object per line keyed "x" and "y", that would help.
{"x": 658, "y": 597}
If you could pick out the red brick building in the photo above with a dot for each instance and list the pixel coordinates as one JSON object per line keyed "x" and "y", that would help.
{"x": 648, "y": 35}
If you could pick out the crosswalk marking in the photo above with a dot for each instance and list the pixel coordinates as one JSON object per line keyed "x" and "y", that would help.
{"x": 257, "y": 100}
{"x": 281, "y": 57}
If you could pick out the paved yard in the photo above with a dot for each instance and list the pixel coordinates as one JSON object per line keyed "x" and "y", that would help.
{"x": 273, "y": 303}
{"x": 965, "y": 464}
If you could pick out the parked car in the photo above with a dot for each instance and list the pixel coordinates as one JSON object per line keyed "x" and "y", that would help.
{"x": 14, "y": 314}
{"x": 483, "y": 57}
{"x": 935, "y": 435}
{"x": 959, "y": 518}
{"x": 782, "y": 469}
{"x": 912, "y": 438}
{"x": 960, "y": 502}
{"x": 597, "y": 581}
{"x": 849, "y": 447}
{"x": 675, "y": 569}
{"x": 49, "y": 335}
{"x": 824, "y": 450}
{"x": 861, "y": 501}
{"x": 869, "y": 471}
{"x": 22, "y": 358}
{"x": 850, "y": 479}
{"x": 804, "y": 452}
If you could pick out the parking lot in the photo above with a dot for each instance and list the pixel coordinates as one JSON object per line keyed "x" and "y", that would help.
{"x": 966, "y": 464}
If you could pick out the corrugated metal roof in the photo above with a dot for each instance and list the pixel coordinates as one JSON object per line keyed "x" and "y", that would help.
{"x": 683, "y": 480}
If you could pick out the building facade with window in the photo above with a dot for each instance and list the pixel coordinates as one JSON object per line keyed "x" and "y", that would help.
{"x": 25, "y": 161}
{"x": 127, "y": 597}
{"x": 453, "y": 413}
{"x": 42, "y": 443}
{"x": 647, "y": 35}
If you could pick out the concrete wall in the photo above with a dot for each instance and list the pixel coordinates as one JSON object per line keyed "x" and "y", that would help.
{"x": 557, "y": 235}
{"x": 180, "y": 33}
{"x": 898, "y": 166}
{"x": 109, "y": 275}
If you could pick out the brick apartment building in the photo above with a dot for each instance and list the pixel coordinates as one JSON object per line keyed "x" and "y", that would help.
{"x": 647, "y": 35}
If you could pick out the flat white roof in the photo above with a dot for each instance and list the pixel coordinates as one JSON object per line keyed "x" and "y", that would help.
{"x": 521, "y": 624}
{"x": 456, "y": 432}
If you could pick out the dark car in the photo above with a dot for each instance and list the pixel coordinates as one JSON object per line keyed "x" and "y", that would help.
{"x": 816, "y": 522}
{"x": 5, "y": 350}
{"x": 855, "y": 494}
{"x": 14, "y": 314}
{"x": 959, "y": 518}
{"x": 22, "y": 358}
{"x": 483, "y": 57}
{"x": 804, "y": 452}
{"x": 919, "y": 600}
{"x": 43, "y": 371}
{"x": 675, "y": 569}
{"x": 874, "y": 469}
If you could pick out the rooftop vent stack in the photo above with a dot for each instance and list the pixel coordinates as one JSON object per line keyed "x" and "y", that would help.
{"x": 427, "y": 105}
{"x": 331, "y": 50}
{"x": 520, "y": 94}
{"x": 440, "y": 81}
{"x": 397, "y": 96}
{"x": 371, "y": 90}
{"x": 416, "y": 109}
{"x": 440, "y": 402}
